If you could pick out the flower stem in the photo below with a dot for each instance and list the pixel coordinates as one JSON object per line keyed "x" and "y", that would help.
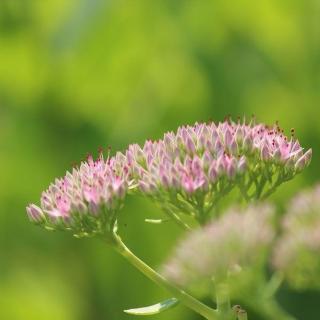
{"x": 223, "y": 302}
{"x": 272, "y": 310}
{"x": 181, "y": 295}
{"x": 177, "y": 220}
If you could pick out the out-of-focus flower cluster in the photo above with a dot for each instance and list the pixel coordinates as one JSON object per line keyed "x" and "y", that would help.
{"x": 237, "y": 242}
{"x": 185, "y": 172}
{"x": 189, "y": 171}
{"x": 297, "y": 252}
{"x": 86, "y": 200}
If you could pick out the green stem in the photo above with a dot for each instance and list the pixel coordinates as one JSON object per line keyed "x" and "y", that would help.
{"x": 177, "y": 219}
{"x": 260, "y": 187}
{"x": 273, "y": 285}
{"x": 242, "y": 315}
{"x": 275, "y": 186}
{"x": 244, "y": 193}
{"x": 222, "y": 298}
{"x": 181, "y": 295}
{"x": 272, "y": 310}
{"x": 223, "y": 301}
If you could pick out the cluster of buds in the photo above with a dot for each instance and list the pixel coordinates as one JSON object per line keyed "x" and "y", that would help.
{"x": 234, "y": 244}
{"x": 191, "y": 170}
{"x": 86, "y": 200}
{"x": 297, "y": 252}
{"x": 185, "y": 172}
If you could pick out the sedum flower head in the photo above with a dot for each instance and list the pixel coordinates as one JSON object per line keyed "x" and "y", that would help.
{"x": 191, "y": 170}
{"x": 236, "y": 241}
{"x": 185, "y": 172}
{"x": 86, "y": 200}
{"x": 297, "y": 252}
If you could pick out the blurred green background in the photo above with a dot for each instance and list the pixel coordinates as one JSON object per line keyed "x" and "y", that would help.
{"x": 79, "y": 74}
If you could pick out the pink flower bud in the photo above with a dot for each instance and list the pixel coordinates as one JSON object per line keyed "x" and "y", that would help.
{"x": 206, "y": 160}
{"x": 188, "y": 184}
{"x": 265, "y": 153}
{"x": 231, "y": 169}
{"x": 190, "y": 147}
{"x": 196, "y": 166}
{"x": 227, "y": 138}
{"x": 219, "y": 148}
{"x": 118, "y": 188}
{"x": 164, "y": 179}
{"x": 277, "y": 155}
{"x": 304, "y": 160}
{"x": 144, "y": 187}
{"x": 35, "y": 213}
{"x": 221, "y": 165}
{"x": 213, "y": 174}
{"x": 239, "y": 134}
{"x": 233, "y": 147}
{"x": 242, "y": 165}
{"x": 247, "y": 143}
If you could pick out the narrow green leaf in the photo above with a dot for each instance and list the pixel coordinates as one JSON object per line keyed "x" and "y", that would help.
{"x": 154, "y": 309}
{"x": 156, "y": 221}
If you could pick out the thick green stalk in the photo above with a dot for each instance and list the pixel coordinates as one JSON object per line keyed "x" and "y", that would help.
{"x": 223, "y": 302}
{"x": 181, "y": 295}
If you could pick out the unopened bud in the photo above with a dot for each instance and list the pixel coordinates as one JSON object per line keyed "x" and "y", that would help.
{"x": 35, "y": 213}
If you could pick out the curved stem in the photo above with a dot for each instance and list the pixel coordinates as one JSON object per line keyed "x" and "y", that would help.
{"x": 273, "y": 285}
{"x": 184, "y": 297}
{"x": 272, "y": 310}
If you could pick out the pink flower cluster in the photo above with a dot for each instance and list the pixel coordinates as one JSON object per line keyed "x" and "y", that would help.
{"x": 297, "y": 252}
{"x": 186, "y": 172}
{"x": 189, "y": 171}
{"x": 94, "y": 190}
{"x": 237, "y": 241}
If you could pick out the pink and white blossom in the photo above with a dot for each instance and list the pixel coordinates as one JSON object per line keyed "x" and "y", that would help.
{"x": 190, "y": 170}
{"x": 238, "y": 240}
{"x": 186, "y": 172}
{"x": 85, "y": 198}
{"x": 297, "y": 252}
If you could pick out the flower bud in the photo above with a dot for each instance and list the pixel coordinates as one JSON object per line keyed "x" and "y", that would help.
{"x": 277, "y": 155}
{"x": 188, "y": 184}
{"x": 303, "y": 161}
{"x": 35, "y": 213}
{"x": 231, "y": 169}
{"x": 247, "y": 143}
{"x": 213, "y": 174}
{"x": 221, "y": 166}
{"x": 119, "y": 189}
{"x": 233, "y": 147}
{"x": 206, "y": 160}
{"x": 190, "y": 147}
{"x": 196, "y": 166}
{"x": 219, "y": 149}
{"x": 242, "y": 165}
{"x": 164, "y": 179}
{"x": 239, "y": 134}
{"x": 265, "y": 153}
{"x": 227, "y": 138}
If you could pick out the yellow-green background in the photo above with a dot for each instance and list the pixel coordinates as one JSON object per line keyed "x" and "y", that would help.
{"x": 79, "y": 74}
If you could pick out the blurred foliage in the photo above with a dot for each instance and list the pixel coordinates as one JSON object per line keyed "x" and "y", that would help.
{"x": 79, "y": 74}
